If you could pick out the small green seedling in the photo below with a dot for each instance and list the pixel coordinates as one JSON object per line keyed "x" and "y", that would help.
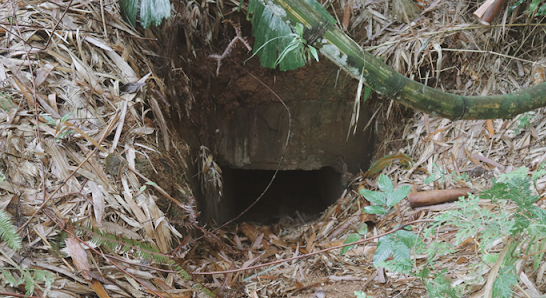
{"x": 143, "y": 187}
{"x": 353, "y": 237}
{"x": 299, "y": 45}
{"x": 61, "y": 130}
{"x": 386, "y": 198}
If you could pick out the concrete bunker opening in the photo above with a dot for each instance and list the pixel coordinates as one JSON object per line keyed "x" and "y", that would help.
{"x": 297, "y": 194}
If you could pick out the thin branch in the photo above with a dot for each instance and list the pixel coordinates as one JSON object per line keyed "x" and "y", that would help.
{"x": 231, "y": 45}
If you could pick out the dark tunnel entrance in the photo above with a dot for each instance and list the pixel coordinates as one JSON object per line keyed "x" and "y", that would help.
{"x": 296, "y": 194}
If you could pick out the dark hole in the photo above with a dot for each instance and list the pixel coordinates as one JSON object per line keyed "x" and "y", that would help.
{"x": 298, "y": 194}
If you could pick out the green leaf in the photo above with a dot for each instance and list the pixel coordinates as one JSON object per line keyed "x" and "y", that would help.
{"x": 8, "y": 232}
{"x": 538, "y": 213}
{"x": 374, "y": 210}
{"x": 10, "y": 278}
{"x": 490, "y": 259}
{"x": 511, "y": 8}
{"x": 537, "y": 229}
{"x": 367, "y": 93}
{"x": 360, "y": 294}
{"x": 440, "y": 286}
{"x": 129, "y": 9}
{"x": 540, "y": 172}
{"x": 375, "y": 197}
{"x": 423, "y": 273}
{"x": 350, "y": 239}
{"x": 506, "y": 279}
{"x": 294, "y": 47}
{"x": 314, "y": 53}
{"x": 431, "y": 178}
{"x": 49, "y": 119}
{"x": 520, "y": 172}
{"x": 362, "y": 229}
{"x": 537, "y": 259}
{"x": 533, "y": 6}
{"x": 272, "y": 37}
{"x": 384, "y": 249}
{"x": 64, "y": 134}
{"x": 403, "y": 265}
{"x": 385, "y": 184}
{"x": 65, "y": 117}
{"x": 409, "y": 239}
{"x": 542, "y": 10}
{"x": 398, "y": 195}
{"x": 29, "y": 283}
{"x": 154, "y": 11}
{"x": 320, "y": 9}
{"x": 400, "y": 251}
{"x": 299, "y": 29}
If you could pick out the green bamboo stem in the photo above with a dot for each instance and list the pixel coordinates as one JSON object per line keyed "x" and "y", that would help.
{"x": 345, "y": 52}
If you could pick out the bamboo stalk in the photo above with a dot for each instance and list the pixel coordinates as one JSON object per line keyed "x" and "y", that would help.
{"x": 488, "y": 10}
{"x": 432, "y": 197}
{"x": 349, "y": 55}
{"x": 483, "y": 8}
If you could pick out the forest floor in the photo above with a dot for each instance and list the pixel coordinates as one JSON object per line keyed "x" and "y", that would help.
{"x": 96, "y": 181}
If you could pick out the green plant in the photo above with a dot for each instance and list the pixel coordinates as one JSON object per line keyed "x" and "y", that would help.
{"x": 28, "y": 277}
{"x": 111, "y": 242}
{"x": 276, "y": 44}
{"x": 6, "y": 103}
{"x": 115, "y": 243}
{"x": 299, "y": 46}
{"x": 532, "y": 7}
{"x": 150, "y": 11}
{"x": 440, "y": 175}
{"x": 296, "y": 50}
{"x": 436, "y": 174}
{"x": 524, "y": 121}
{"x": 143, "y": 187}
{"x": 360, "y": 294}
{"x": 353, "y": 237}
{"x": 516, "y": 221}
{"x": 8, "y": 232}
{"x": 386, "y": 198}
{"x": 61, "y": 130}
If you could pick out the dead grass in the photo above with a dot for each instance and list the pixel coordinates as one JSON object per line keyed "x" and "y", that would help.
{"x": 81, "y": 167}
{"x": 73, "y": 132}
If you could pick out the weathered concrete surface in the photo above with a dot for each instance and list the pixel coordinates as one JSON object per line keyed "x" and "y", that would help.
{"x": 254, "y": 137}
{"x": 239, "y": 117}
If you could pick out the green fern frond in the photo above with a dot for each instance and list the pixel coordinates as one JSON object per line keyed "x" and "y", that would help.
{"x": 506, "y": 279}
{"x": 116, "y": 243}
{"x": 27, "y": 278}
{"x": 141, "y": 249}
{"x": 8, "y": 232}
{"x": 29, "y": 283}
{"x": 186, "y": 276}
{"x": 10, "y": 278}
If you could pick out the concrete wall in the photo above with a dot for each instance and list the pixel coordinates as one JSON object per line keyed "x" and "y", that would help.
{"x": 253, "y": 138}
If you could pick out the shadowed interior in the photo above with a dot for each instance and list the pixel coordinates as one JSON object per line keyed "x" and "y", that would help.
{"x": 305, "y": 192}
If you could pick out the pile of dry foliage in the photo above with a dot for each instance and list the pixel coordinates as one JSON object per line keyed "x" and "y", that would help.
{"x": 84, "y": 144}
